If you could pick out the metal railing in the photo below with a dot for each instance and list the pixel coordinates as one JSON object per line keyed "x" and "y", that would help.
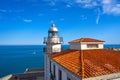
{"x": 53, "y": 40}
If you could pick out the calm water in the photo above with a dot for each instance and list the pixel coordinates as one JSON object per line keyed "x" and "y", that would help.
{"x": 15, "y": 59}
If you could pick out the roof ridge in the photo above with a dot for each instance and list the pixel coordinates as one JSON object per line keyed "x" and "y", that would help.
{"x": 86, "y": 40}
{"x": 82, "y": 39}
{"x": 82, "y": 63}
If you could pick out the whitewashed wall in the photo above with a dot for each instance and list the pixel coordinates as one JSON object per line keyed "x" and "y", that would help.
{"x": 83, "y": 45}
{"x": 56, "y": 48}
{"x": 101, "y": 46}
{"x": 65, "y": 73}
{"x": 47, "y": 67}
{"x": 53, "y": 48}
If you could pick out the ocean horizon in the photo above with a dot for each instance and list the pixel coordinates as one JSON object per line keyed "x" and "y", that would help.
{"x": 16, "y": 58}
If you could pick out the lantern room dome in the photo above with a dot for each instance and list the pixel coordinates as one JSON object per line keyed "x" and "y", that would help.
{"x": 53, "y": 28}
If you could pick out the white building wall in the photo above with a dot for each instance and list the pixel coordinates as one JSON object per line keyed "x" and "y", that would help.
{"x": 57, "y": 68}
{"x": 49, "y": 48}
{"x": 47, "y": 68}
{"x": 56, "y": 48}
{"x": 53, "y": 48}
{"x": 101, "y": 46}
{"x": 65, "y": 73}
{"x": 83, "y": 45}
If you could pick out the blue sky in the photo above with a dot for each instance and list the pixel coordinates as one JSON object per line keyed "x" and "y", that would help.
{"x": 26, "y": 22}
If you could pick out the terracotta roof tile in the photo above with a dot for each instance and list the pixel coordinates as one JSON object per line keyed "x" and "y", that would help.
{"x": 95, "y": 62}
{"x": 86, "y": 40}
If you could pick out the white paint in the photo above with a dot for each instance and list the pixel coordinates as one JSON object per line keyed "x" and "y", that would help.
{"x": 56, "y": 48}
{"x": 65, "y": 73}
{"x": 47, "y": 68}
{"x": 51, "y": 48}
{"x": 83, "y": 45}
{"x": 101, "y": 46}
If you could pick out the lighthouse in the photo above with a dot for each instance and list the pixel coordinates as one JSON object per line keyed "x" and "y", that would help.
{"x": 53, "y": 41}
{"x": 53, "y": 45}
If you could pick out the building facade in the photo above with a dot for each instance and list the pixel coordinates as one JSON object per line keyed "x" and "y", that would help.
{"x": 85, "y": 60}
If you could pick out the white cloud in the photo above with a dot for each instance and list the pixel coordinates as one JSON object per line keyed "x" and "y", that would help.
{"x": 34, "y": 1}
{"x": 107, "y": 1}
{"x": 40, "y": 14}
{"x": 10, "y": 10}
{"x": 3, "y": 10}
{"x": 83, "y": 17}
{"x": 68, "y": 5}
{"x": 87, "y": 3}
{"x": 52, "y": 21}
{"x": 98, "y": 16}
{"x": 54, "y": 9}
{"x": 62, "y": 19}
{"x": 18, "y": 11}
{"x": 51, "y": 2}
{"x": 111, "y": 7}
{"x": 107, "y": 6}
{"x": 115, "y": 10}
{"x": 83, "y": 1}
{"x": 54, "y": 2}
{"x": 97, "y": 19}
{"x": 27, "y": 20}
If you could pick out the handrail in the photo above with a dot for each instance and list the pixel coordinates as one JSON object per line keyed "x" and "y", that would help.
{"x": 49, "y": 40}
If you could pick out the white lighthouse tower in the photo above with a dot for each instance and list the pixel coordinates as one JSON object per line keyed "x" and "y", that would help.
{"x": 53, "y": 44}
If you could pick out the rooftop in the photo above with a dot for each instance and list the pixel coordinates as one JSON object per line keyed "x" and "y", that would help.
{"x": 89, "y": 63}
{"x": 30, "y": 74}
{"x": 86, "y": 40}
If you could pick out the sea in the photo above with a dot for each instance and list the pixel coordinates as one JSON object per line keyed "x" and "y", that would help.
{"x": 17, "y": 58}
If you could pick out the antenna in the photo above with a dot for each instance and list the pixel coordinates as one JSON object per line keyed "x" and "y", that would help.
{"x": 53, "y": 24}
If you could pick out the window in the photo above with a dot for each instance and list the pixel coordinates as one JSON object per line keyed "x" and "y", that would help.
{"x": 68, "y": 78}
{"x": 54, "y": 71}
{"x": 92, "y": 45}
{"x": 59, "y": 75}
{"x": 50, "y": 66}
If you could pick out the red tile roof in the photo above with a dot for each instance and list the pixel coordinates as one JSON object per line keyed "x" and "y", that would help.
{"x": 85, "y": 40}
{"x": 89, "y": 63}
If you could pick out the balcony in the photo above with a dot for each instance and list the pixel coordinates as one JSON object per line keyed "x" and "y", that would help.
{"x": 53, "y": 40}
